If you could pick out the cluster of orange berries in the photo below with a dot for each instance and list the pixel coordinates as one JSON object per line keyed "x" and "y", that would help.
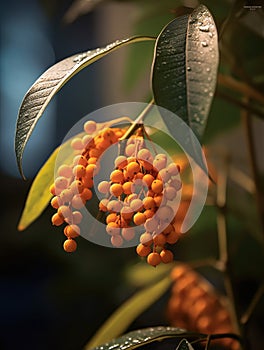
{"x": 141, "y": 194}
{"x": 194, "y": 305}
{"x": 73, "y": 185}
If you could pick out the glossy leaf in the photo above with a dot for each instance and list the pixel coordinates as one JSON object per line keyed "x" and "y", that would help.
{"x": 121, "y": 319}
{"x": 185, "y": 68}
{"x": 141, "y": 337}
{"x": 49, "y": 83}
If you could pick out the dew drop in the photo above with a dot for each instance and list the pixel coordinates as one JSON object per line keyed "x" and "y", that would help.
{"x": 204, "y": 43}
{"x": 189, "y": 68}
{"x": 180, "y": 97}
{"x": 179, "y": 84}
{"x": 210, "y": 34}
{"x": 210, "y": 94}
{"x": 164, "y": 63}
{"x": 205, "y": 90}
{"x": 208, "y": 69}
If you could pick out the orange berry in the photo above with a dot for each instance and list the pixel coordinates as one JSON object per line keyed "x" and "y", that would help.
{"x": 159, "y": 200}
{"x": 77, "y": 144}
{"x": 144, "y": 154}
{"x": 173, "y": 169}
{"x": 168, "y": 229}
{"x": 146, "y": 238}
{"x": 136, "y": 204}
{"x": 159, "y": 239}
{"x": 52, "y": 190}
{"x": 149, "y": 203}
{"x": 120, "y": 162}
{"x": 143, "y": 250}
{"x": 92, "y": 160}
{"x": 90, "y": 126}
{"x": 80, "y": 160}
{"x": 172, "y": 237}
{"x": 57, "y": 220}
{"x": 165, "y": 213}
{"x": 61, "y": 182}
{"x": 91, "y": 170}
{"x": 86, "y": 194}
{"x": 127, "y": 187}
{"x": 114, "y": 206}
{"x": 103, "y": 187}
{"x": 149, "y": 213}
{"x": 133, "y": 168}
{"x": 103, "y": 204}
{"x": 154, "y": 259}
{"x": 77, "y": 202}
{"x": 95, "y": 152}
{"x": 55, "y": 202}
{"x": 66, "y": 195}
{"x": 76, "y": 217}
{"x": 126, "y": 213}
{"x": 166, "y": 256}
{"x": 170, "y": 193}
{"x": 116, "y": 189}
{"x": 113, "y": 229}
{"x": 163, "y": 175}
{"x": 117, "y": 241}
{"x": 65, "y": 170}
{"x": 78, "y": 171}
{"x": 147, "y": 165}
{"x": 130, "y": 149}
{"x": 157, "y": 186}
{"x": 72, "y": 231}
{"x": 87, "y": 181}
{"x": 117, "y": 176}
{"x": 77, "y": 186}
{"x": 139, "y": 219}
{"x": 112, "y": 217}
{"x": 70, "y": 245}
{"x": 64, "y": 211}
{"x": 128, "y": 233}
{"x": 151, "y": 224}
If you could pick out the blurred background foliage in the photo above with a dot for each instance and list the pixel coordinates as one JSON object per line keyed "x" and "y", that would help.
{"x": 52, "y": 300}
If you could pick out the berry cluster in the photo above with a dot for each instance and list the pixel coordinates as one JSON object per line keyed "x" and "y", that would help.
{"x": 141, "y": 194}
{"x": 194, "y": 305}
{"x": 73, "y": 185}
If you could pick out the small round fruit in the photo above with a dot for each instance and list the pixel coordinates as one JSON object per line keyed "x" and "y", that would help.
{"x": 166, "y": 256}
{"x": 70, "y": 245}
{"x": 143, "y": 250}
{"x": 154, "y": 259}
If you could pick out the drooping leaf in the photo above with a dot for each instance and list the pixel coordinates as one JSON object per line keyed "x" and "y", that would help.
{"x": 184, "y": 345}
{"x": 141, "y": 337}
{"x": 121, "y": 319}
{"x": 49, "y": 83}
{"x": 185, "y": 68}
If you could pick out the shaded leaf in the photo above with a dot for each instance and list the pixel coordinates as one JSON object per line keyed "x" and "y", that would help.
{"x": 139, "y": 338}
{"x": 185, "y": 68}
{"x": 79, "y": 8}
{"x": 121, "y": 319}
{"x": 184, "y": 345}
{"x": 49, "y": 83}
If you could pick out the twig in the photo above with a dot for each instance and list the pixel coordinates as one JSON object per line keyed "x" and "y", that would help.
{"x": 222, "y": 241}
{"x": 252, "y": 306}
{"x": 247, "y": 122}
{"x": 243, "y": 88}
{"x": 240, "y": 103}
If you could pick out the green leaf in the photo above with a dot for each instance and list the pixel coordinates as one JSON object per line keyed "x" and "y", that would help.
{"x": 184, "y": 345}
{"x": 141, "y": 337}
{"x": 49, "y": 83}
{"x": 121, "y": 319}
{"x": 185, "y": 68}
{"x": 39, "y": 194}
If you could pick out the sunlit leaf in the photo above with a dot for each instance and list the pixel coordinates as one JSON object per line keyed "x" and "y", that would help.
{"x": 141, "y": 337}
{"x": 121, "y": 319}
{"x": 49, "y": 83}
{"x": 185, "y": 68}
